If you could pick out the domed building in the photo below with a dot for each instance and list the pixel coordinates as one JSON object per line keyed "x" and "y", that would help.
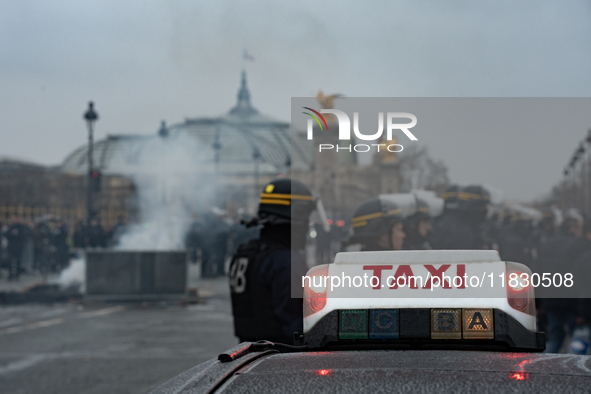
{"x": 238, "y": 151}
{"x": 226, "y": 160}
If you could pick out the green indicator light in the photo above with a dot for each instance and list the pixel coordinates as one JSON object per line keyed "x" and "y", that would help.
{"x": 353, "y": 324}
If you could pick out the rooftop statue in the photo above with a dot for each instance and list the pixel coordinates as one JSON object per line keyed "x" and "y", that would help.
{"x": 326, "y": 102}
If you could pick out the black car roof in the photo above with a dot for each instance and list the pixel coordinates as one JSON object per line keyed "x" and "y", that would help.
{"x": 378, "y": 371}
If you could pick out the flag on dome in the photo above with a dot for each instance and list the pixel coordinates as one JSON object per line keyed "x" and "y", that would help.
{"x": 247, "y": 56}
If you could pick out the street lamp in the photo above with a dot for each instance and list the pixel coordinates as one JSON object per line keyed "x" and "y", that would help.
{"x": 90, "y": 116}
{"x": 256, "y": 156}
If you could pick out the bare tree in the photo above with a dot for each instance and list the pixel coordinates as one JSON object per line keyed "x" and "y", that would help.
{"x": 419, "y": 171}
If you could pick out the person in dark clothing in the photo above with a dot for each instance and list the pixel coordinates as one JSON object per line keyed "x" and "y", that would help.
{"x": 59, "y": 240}
{"x": 323, "y": 240}
{"x": 515, "y": 244}
{"x": 16, "y": 235}
{"x": 42, "y": 246}
{"x": 417, "y": 227}
{"x": 464, "y": 213}
{"x": 239, "y": 234}
{"x": 266, "y": 273}
{"x": 553, "y": 258}
{"x": 378, "y": 224}
{"x": 208, "y": 239}
{"x": 117, "y": 231}
{"x": 192, "y": 242}
{"x": 79, "y": 235}
{"x": 219, "y": 245}
{"x": 545, "y": 230}
{"x": 581, "y": 250}
{"x": 95, "y": 235}
{"x": 547, "y": 226}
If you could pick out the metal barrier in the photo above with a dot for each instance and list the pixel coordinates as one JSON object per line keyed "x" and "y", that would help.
{"x": 135, "y": 275}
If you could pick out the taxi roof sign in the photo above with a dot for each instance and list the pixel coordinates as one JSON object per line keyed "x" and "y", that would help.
{"x": 417, "y": 257}
{"x": 463, "y": 296}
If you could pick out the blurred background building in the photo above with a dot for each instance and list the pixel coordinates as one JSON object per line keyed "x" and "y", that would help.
{"x": 230, "y": 157}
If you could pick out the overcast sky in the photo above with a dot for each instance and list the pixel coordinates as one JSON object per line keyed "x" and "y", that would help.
{"x": 147, "y": 61}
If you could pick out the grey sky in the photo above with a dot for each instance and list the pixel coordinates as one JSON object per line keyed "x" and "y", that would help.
{"x": 144, "y": 61}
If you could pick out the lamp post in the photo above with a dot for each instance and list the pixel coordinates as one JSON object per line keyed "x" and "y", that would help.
{"x": 90, "y": 116}
{"x": 256, "y": 156}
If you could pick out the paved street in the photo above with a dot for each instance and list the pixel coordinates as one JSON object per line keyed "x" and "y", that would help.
{"x": 110, "y": 348}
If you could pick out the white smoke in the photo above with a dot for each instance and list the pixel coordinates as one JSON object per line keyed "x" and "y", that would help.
{"x": 171, "y": 188}
{"x": 74, "y": 275}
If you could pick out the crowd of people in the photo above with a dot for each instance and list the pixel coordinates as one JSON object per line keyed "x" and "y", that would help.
{"x": 547, "y": 241}
{"x": 212, "y": 238}
{"x": 45, "y": 245}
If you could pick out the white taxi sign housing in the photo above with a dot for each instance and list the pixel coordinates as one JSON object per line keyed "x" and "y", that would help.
{"x": 412, "y": 279}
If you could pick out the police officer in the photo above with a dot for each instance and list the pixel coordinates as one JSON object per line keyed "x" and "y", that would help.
{"x": 555, "y": 256}
{"x": 323, "y": 241}
{"x": 79, "y": 234}
{"x": 96, "y": 236}
{"x": 460, "y": 226}
{"x": 16, "y": 235}
{"x": 378, "y": 224}
{"x": 261, "y": 272}
{"x": 418, "y": 227}
{"x": 547, "y": 225}
{"x": 545, "y": 229}
{"x": 59, "y": 240}
{"x": 581, "y": 265}
{"x": 42, "y": 242}
{"x": 515, "y": 244}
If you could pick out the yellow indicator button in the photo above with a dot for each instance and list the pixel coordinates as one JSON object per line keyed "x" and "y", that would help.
{"x": 446, "y": 324}
{"x": 478, "y": 324}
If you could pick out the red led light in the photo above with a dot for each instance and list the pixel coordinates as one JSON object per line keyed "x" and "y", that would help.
{"x": 323, "y": 372}
{"x": 329, "y": 221}
{"x": 340, "y": 223}
{"x": 315, "y": 289}
{"x": 518, "y": 375}
{"x": 519, "y": 289}
{"x": 517, "y": 295}
{"x": 317, "y": 302}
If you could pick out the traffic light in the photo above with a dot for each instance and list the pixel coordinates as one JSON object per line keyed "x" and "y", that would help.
{"x": 95, "y": 181}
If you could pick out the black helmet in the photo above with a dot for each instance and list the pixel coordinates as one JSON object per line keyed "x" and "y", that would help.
{"x": 423, "y": 210}
{"x": 523, "y": 214}
{"x": 286, "y": 201}
{"x": 548, "y": 216}
{"x": 450, "y": 197}
{"x": 375, "y": 217}
{"x": 473, "y": 198}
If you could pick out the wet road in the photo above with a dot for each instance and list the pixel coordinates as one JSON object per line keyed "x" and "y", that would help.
{"x": 110, "y": 348}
